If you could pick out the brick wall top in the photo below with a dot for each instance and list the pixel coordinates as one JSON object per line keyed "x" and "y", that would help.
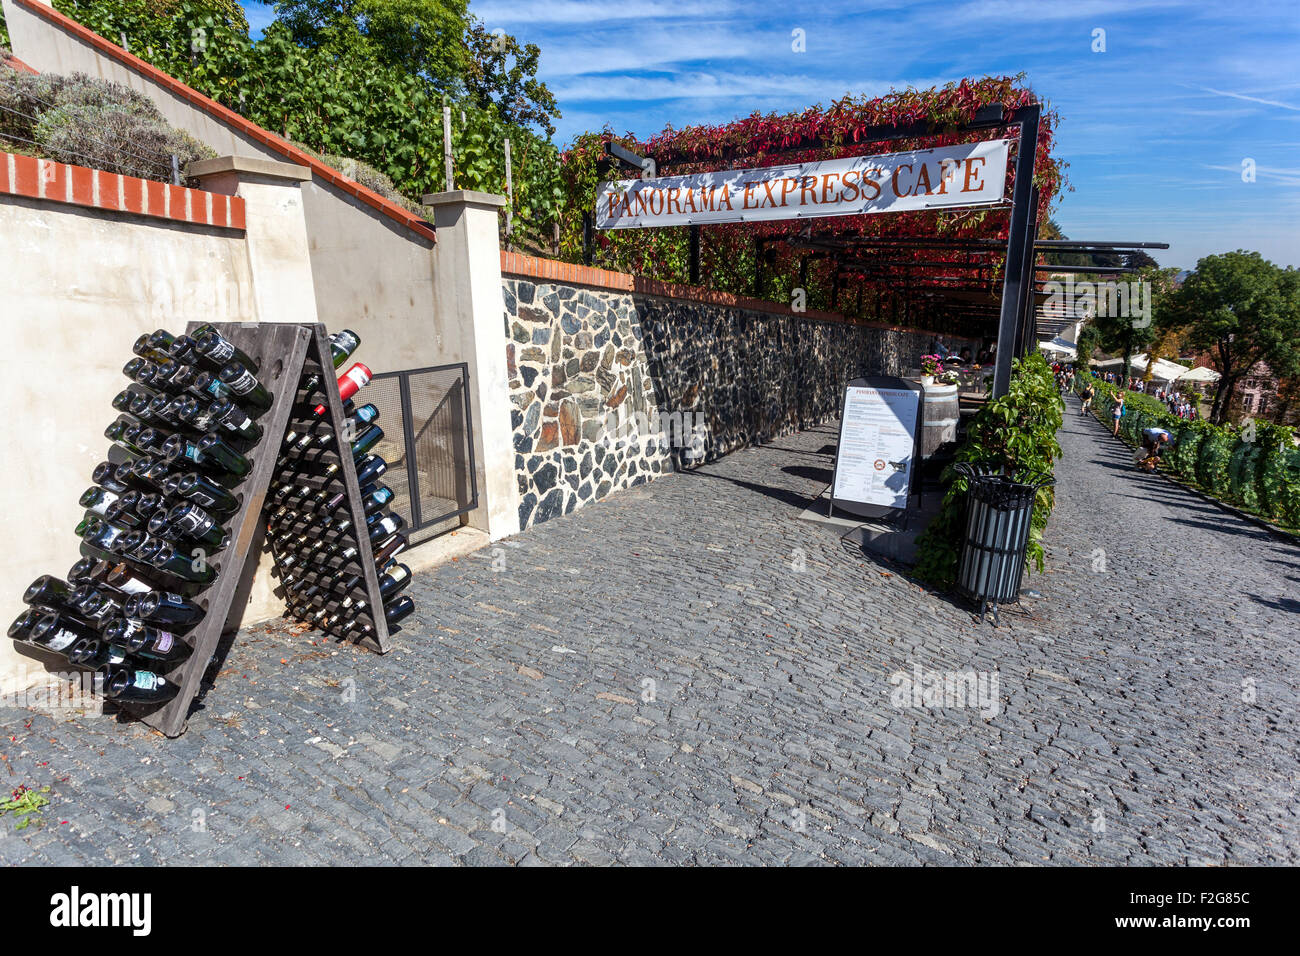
{"x": 552, "y": 270}
{"x": 58, "y": 182}
{"x": 231, "y": 118}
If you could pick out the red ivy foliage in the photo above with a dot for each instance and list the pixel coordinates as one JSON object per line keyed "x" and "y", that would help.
{"x": 816, "y": 133}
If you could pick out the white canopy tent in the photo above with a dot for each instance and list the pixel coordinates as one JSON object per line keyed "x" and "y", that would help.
{"x": 1199, "y": 375}
{"x": 1059, "y": 346}
{"x": 1163, "y": 370}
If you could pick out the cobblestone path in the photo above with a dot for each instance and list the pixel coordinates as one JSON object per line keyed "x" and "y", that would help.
{"x": 654, "y": 679}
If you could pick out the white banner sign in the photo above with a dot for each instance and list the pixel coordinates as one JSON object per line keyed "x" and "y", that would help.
{"x": 877, "y": 441}
{"x": 973, "y": 174}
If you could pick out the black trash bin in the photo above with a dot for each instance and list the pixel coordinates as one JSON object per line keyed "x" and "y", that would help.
{"x": 999, "y": 508}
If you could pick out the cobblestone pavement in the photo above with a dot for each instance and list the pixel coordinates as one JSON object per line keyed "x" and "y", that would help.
{"x": 651, "y": 680}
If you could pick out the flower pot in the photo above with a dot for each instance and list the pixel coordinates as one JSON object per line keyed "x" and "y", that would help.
{"x": 927, "y": 380}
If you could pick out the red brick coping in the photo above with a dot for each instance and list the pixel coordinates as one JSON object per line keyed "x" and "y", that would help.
{"x": 59, "y": 182}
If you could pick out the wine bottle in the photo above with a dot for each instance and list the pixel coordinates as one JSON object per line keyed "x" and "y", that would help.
{"x": 398, "y": 609}
{"x": 163, "y": 607}
{"x": 96, "y": 654}
{"x": 88, "y": 571}
{"x": 59, "y": 631}
{"x": 123, "y": 433}
{"x": 370, "y": 468}
{"x": 97, "y": 499}
{"x": 248, "y": 391}
{"x": 144, "y": 348}
{"x": 161, "y": 340}
{"x": 196, "y": 524}
{"x": 183, "y": 350}
{"x": 235, "y": 420}
{"x": 119, "y": 514}
{"x": 342, "y": 345}
{"x": 183, "y": 566}
{"x": 194, "y": 487}
{"x": 124, "y": 684}
{"x": 385, "y": 526}
{"x": 350, "y": 382}
{"x": 389, "y": 547}
{"x": 96, "y": 607}
{"x": 21, "y": 628}
{"x": 208, "y": 387}
{"x": 99, "y": 533}
{"x": 125, "y": 579}
{"x": 393, "y": 580}
{"x": 147, "y": 641}
{"x": 218, "y": 350}
{"x": 366, "y": 440}
{"x": 105, "y": 474}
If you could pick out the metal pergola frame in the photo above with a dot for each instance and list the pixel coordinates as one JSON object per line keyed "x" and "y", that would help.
{"x": 1016, "y": 306}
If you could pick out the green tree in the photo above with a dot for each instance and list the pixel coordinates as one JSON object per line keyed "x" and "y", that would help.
{"x": 1242, "y": 310}
{"x": 1125, "y": 332}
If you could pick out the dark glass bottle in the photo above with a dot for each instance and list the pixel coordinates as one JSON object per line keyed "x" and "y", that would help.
{"x": 370, "y": 468}
{"x": 88, "y": 571}
{"x": 97, "y": 654}
{"x": 398, "y": 609}
{"x": 393, "y": 580}
{"x": 163, "y": 607}
{"x": 59, "y": 631}
{"x": 127, "y": 580}
{"x": 119, "y": 513}
{"x": 366, "y": 441}
{"x": 389, "y": 547}
{"x": 219, "y": 350}
{"x": 94, "y": 605}
{"x": 194, "y": 487}
{"x": 105, "y": 474}
{"x": 129, "y": 685}
{"x": 144, "y": 348}
{"x": 99, "y": 533}
{"x": 342, "y": 345}
{"x": 208, "y": 387}
{"x": 21, "y": 628}
{"x": 248, "y": 391}
{"x": 197, "y": 524}
{"x": 385, "y": 526}
{"x": 235, "y": 420}
{"x": 147, "y": 641}
{"x": 97, "y": 499}
{"x": 183, "y": 566}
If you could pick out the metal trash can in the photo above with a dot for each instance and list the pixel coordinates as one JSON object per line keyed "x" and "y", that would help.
{"x": 999, "y": 508}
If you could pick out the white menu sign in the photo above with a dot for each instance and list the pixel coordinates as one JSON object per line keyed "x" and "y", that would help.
{"x": 877, "y": 441}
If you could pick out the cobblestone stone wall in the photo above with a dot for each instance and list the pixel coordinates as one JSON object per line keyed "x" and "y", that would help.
{"x": 611, "y": 388}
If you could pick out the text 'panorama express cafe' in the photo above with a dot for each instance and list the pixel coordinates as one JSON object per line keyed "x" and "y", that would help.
{"x": 966, "y": 175}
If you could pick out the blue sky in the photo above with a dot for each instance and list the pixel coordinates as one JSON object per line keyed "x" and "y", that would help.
{"x": 1155, "y": 128}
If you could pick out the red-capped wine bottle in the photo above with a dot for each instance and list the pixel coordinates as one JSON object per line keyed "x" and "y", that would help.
{"x": 350, "y": 382}
{"x": 128, "y": 685}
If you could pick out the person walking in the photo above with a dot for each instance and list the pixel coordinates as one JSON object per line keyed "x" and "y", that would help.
{"x": 1117, "y": 412}
{"x": 1089, "y": 393}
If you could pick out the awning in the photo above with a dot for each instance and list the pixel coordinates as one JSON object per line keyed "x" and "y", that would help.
{"x": 1199, "y": 375}
{"x": 1059, "y": 346}
{"x": 1163, "y": 370}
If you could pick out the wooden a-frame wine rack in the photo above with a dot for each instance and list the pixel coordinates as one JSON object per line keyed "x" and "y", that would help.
{"x": 286, "y": 353}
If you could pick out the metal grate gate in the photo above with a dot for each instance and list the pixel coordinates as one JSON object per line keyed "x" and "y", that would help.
{"x": 428, "y": 444}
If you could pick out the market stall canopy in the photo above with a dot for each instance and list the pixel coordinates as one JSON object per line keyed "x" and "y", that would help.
{"x": 1163, "y": 370}
{"x": 1060, "y": 346}
{"x": 1199, "y": 375}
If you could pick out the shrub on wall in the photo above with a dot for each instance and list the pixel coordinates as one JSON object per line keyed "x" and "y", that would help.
{"x": 1017, "y": 431}
{"x": 85, "y": 121}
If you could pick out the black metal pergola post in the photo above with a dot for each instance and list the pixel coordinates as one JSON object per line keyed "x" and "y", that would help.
{"x": 1020, "y": 248}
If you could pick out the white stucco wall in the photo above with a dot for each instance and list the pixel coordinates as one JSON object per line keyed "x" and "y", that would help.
{"x": 77, "y": 286}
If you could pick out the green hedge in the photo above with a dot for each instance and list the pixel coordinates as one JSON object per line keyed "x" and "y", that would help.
{"x": 1262, "y": 476}
{"x": 1017, "y": 430}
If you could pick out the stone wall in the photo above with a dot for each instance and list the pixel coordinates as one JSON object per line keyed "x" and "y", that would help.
{"x": 613, "y": 387}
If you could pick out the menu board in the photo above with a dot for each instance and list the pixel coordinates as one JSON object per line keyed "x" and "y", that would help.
{"x": 876, "y": 454}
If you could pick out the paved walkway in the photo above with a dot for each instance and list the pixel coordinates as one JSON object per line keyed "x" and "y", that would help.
{"x": 653, "y": 679}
